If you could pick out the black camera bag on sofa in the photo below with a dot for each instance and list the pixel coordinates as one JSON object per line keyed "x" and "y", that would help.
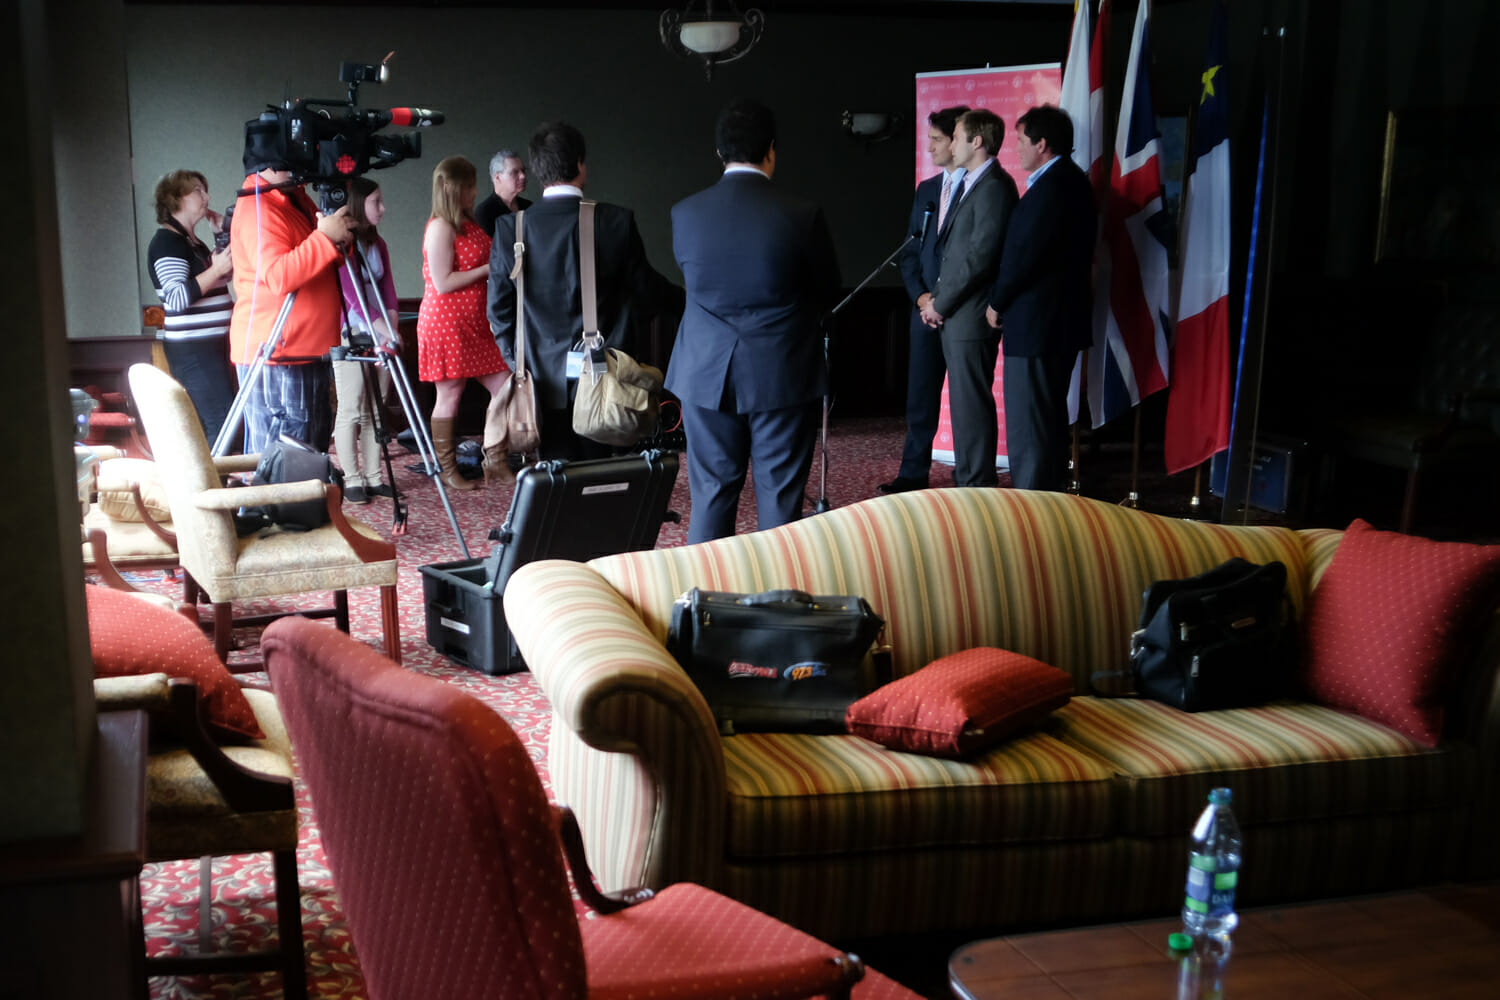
{"x": 1222, "y": 639}
{"x": 778, "y": 661}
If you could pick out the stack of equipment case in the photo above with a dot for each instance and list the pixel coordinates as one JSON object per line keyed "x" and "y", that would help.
{"x": 561, "y": 510}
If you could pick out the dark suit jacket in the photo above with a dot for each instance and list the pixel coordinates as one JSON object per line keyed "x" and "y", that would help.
{"x": 487, "y": 211}
{"x": 628, "y": 287}
{"x": 919, "y": 261}
{"x": 759, "y": 267}
{"x": 1043, "y": 288}
{"x": 969, "y": 253}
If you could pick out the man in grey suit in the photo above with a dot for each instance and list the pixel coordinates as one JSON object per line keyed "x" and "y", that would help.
{"x": 969, "y": 253}
{"x": 758, "y": 265}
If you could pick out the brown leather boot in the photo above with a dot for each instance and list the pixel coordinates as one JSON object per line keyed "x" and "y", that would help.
{"x": 442, "y": 444}
{"x": 497, "y": 467}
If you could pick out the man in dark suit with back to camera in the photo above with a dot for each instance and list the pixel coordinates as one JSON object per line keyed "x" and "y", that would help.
{"x": 627, "y": 287}
{"x": 759, "y": 267}
{"x": 968, "y": 253}
{"x": 1042, "y": 297}
{"x": 919, "y": 272}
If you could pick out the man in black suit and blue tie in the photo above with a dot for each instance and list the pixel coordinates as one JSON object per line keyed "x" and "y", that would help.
{"x": 1042, "y": 299}
{"x": 919, "y": 272}
{"x": 758, "y": 265}
{"x": 969, "y": 253}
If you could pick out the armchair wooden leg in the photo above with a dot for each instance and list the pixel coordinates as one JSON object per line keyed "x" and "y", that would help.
{"x": 289, "y": 926}
{"x": 1409, "y": 501}
{"x": 223, "y": 629}
{"x": 390, "y": 623}
{"x": 341, "y": 610}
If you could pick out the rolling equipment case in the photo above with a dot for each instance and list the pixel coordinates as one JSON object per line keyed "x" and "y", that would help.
{"x": 560, "y": 510}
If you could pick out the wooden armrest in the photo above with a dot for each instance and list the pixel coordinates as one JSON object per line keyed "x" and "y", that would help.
{"x": 151, "y": 523}
{"x": 245, "y": 790}
{"x": 583, "y": 878}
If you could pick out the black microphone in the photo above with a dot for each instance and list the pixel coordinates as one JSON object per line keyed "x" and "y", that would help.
{"x": 926, "y": 217}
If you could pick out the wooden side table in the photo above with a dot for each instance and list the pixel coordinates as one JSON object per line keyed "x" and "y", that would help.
{"x": 70, "y": 908}
{"x": 1435, "y": 942}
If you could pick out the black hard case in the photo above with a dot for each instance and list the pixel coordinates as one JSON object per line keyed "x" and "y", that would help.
{"x": 561, "y": 510}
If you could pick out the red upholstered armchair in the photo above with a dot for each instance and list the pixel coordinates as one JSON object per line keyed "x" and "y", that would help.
{"x": 447, "y": 855}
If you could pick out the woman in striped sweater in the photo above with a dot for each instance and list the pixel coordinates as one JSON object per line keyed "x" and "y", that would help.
{"x": 193, "y": 285}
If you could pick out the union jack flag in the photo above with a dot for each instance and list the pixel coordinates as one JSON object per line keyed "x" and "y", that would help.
{"x": 1132, "y": 302}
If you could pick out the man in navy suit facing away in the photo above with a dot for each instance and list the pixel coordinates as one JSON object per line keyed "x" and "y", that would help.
{"x": 758, "y": 265}
{"x": 919, "y": 273}
{"x": 1042, "y": 297}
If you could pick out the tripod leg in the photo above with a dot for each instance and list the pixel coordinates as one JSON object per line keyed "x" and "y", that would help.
{"x": 423, "y": 438}
{"x": 372, "y": 403}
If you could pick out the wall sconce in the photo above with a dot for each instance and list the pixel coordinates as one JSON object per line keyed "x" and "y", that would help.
{"x": 718, "y": 33}
{"x": 871, "y": 126}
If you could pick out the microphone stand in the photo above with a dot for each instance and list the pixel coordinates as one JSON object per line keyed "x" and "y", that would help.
{"x": 822, "y": 506}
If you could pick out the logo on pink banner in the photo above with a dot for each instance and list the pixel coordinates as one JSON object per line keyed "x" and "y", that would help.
{"x": 1008, "y": 91}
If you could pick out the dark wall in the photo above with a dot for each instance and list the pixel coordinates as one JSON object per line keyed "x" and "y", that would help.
{"x": 197, "y": 73}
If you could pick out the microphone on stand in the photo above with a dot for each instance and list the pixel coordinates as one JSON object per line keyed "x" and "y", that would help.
{"x": 926, "y": 218}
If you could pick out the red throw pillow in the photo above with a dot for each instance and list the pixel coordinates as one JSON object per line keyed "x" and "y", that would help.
{"x": 1388, "y": 621}
{"x": 961, "y": 704}
{"x": 129, "y": 636}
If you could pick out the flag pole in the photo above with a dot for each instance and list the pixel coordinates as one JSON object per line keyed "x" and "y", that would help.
{"x": 1075, "y": 486}
{"x": 1133, "y": 498}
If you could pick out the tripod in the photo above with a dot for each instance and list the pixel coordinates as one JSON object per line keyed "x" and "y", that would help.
{"x": 822, "y": 505}
{"x": 381, "y": 353}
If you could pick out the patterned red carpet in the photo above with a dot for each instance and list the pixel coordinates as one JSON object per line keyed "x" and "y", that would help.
{"x": 862, "y": 453}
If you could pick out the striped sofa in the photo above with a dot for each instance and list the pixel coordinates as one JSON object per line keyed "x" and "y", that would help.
{"x": 1084, "y": 819}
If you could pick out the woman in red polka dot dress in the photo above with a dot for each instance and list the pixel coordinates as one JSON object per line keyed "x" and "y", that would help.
{"x": 454, "y": 343}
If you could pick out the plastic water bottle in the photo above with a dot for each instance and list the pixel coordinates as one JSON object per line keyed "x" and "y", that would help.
{"x": 1213, "y": 871}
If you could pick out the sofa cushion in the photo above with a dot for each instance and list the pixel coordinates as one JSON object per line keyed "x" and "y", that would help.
{"x": 960, "y": 704}
{"x": 1286, "y": 761}
{"x": 130, "y": 636}
{"x": 1388, "y": 622}
{"x": 794, "y": 794}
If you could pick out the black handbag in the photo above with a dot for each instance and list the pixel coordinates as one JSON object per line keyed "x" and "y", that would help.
{"x": 780, "y": 661}
{"x": 1221, "y": 639}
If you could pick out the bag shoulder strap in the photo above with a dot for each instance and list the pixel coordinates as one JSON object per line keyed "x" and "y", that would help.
{"x": 586, "y": 268}
{"x": 518, "y": 275}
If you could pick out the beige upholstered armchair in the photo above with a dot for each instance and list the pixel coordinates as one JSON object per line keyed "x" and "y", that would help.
{"x": 338, "y": 556}
{"x": 127, "y": 508}
{"x": 206, "y": 801}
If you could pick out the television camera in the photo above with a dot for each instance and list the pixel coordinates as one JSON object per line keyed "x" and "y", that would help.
{"x": 326, "y": 142}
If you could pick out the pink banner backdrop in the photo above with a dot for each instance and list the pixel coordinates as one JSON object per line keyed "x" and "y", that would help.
{"x": 1008, "y": 91}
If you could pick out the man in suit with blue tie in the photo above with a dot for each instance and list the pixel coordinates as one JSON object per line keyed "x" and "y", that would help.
{"x": 1042, "y": 299}
{"x": 969, "y": 245}
{"x": 759, "y": 268}
{"x": 919, "y": 272}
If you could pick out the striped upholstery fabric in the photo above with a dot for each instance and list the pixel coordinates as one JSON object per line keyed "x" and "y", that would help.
{"x": 795, "y": 795}
{"x": 1052, "y": 576}
{"x": 1083, "y": 819}
{"x": 1285, "y": 761}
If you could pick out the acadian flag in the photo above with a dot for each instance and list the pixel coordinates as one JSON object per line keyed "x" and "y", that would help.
{"x": 1198, "y": 406}
{"x": 1083, "y": 99}
{"x": 1137, "y": 231}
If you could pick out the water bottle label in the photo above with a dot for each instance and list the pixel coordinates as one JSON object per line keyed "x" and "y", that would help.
{"x": 1210, "y": 892}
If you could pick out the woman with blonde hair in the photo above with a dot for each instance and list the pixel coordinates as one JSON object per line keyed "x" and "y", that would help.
{"x": 454, "y": 342}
